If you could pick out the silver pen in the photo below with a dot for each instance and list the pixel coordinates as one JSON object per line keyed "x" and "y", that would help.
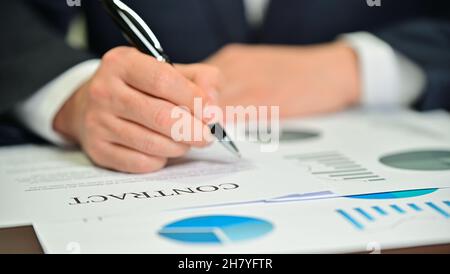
{"x": 142, "y": 37}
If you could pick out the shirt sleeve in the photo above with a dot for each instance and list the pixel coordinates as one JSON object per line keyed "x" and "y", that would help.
{"x": 389, "y": 79}
{"x": 38, "y": 112}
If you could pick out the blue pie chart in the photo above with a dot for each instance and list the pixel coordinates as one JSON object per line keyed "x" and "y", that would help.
{"x": 395, "y": 194}
{"x": 216, "y": 229}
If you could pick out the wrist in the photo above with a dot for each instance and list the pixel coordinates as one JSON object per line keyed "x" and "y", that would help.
{"x": 65, "y": 122}
{"x": 347, "y": 71}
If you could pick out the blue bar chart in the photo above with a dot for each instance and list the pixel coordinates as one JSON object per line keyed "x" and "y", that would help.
{"x": 363, "y": 217}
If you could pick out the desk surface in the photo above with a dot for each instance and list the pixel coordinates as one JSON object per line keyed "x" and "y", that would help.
{"x": 23, "y": 240}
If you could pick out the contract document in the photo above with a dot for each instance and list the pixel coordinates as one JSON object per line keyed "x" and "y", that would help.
{"x": 352, "y": 153}
{"x": 43, "y": 182}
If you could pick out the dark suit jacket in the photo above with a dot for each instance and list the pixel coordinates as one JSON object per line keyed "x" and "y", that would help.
{"x": 190, "y": 31}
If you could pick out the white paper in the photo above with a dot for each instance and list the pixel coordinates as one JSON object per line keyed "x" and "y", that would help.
{"x": 297, "y": 227}
{"x": 359, "y": 139}
{"x": 46, "y": 183}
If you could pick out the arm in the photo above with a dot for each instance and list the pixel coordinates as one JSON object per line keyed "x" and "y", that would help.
{"x": 427, "y": 43}
{"x": 404, "y": 64}
{"x": 118, "y": 109}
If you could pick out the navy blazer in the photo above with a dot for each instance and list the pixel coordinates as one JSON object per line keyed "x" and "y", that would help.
{"x": 192, "y": 30}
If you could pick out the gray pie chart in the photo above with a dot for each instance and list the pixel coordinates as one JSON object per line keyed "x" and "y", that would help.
{"x": 424, "y": 160}
{"x": 297, "y": 135}
{"x": 289, "y": 135}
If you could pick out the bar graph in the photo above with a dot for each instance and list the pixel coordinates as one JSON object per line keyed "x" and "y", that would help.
{"x": 285, "y": 136}
{"x": 332, "y": 165}
{"x": 362, "y": 218}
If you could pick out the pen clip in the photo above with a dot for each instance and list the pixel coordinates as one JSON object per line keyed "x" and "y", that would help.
{"x": 135, "y": 29}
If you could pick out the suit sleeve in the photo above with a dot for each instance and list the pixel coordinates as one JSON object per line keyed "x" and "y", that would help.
{"x": 31, "y": 53}
{"x": 427, "y": 43}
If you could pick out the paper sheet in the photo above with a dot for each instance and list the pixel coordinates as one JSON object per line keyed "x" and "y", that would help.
{"x": 48, "y": 183}
{"x": 347, "y": 152}
{"x": 337, "y": 155}
{"x": 339, "y": 225}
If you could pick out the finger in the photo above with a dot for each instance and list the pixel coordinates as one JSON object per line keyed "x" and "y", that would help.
{"x": 206, "y": 77}
{"x": 161, "y": 80}
{"x": 122, "y": 159}
{"x": 158, "y": 115}
{"x": 136, "y": 137}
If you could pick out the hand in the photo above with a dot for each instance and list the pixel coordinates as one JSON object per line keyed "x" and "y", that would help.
{"x": 122, "y": 116}
{"x": 300, "y": 80}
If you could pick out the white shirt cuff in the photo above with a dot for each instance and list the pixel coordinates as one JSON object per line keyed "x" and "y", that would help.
{"x": 389, "y": 79}
{"x": 38, "y": 112}
{"x": 256, "y": 11}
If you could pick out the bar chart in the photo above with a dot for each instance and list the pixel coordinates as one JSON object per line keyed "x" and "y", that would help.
{"x": 363, "y": 218}
{"x": 335, "y": 166}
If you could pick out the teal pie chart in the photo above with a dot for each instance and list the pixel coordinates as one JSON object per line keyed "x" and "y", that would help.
{"x": 216, "y": 229}
{"x": 296, "y": 135}
{"x": 395, "y": 195}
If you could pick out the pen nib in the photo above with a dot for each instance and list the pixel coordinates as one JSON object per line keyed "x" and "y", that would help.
{"x": 221, "y": 135}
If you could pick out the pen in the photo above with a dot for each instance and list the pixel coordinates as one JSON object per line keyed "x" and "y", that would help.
{"x": 142, "y": 37}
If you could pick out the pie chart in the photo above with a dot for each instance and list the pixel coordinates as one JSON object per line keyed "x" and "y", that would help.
{"x": 296, "y": 135}
{"x": 395, "y": 194}
{"x": 424, "y": 160}
{"x": 215, "y": 229}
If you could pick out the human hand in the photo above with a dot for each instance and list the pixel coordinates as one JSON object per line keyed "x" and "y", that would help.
{"x": 300, "y": 80}
{"x": 121, "y": 117}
